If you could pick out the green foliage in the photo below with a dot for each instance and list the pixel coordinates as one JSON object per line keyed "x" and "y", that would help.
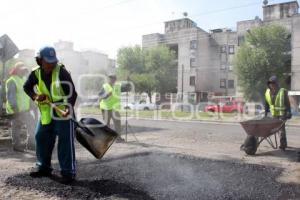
{"x": 150, "y": 69}
{"x": 264, "y": 53}
{"x": 131, "y": 59}
{"x": 144, "y": 82}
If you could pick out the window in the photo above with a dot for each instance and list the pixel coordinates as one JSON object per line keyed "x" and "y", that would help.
{"x": 192, "y": 98}
{"x": 193, "y": 62}
{"x": 231, "y": 49}
{"x": 223, "y": 66}
{"x": 193, "y": 44}
{"x": 223, "y": 83}
{"x": 192, "y": 81}
{"x": 230, "y": 83}
{"x": 223, "y": 49}
{"x": 241, "y": 40}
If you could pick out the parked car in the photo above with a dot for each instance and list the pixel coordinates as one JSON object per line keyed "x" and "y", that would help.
{"x": 226, "y": 107}
{"x": 142, "y": 105}
{"x": 89, "y": 102}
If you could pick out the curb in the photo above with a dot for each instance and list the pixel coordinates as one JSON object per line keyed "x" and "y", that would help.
{"x": 195, "y": 121}
{"x": 208, "y": 121}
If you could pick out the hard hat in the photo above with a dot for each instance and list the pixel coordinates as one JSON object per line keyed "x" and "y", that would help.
{"x": 112, "y": 75}
{"x": 19, "y": 65}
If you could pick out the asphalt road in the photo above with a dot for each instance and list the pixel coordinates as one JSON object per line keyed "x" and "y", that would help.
{"x": 167, "y": 160}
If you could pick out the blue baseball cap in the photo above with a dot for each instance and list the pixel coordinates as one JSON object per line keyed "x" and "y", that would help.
{"x": 273, "y": 79}
{"x": 48, "y": 54}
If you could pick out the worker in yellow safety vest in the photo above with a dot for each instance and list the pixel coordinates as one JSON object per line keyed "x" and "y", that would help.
{"x": 51, "y": 84}
{"x": 110, "y": 103}
{"x": 18, "y": 106}
{"x": 278, "y": 104}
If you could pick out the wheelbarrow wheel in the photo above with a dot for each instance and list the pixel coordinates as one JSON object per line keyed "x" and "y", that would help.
{"x": 250, "y": 145}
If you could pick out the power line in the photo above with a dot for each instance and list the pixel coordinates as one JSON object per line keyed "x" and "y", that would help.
{"x": 230, "y": 8}
{"x": 115, "y": 4}
{"x": 195, "y": 15}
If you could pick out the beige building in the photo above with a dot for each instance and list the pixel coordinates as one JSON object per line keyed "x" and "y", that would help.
{"x": 27, "y": 57}
{"x": 205, "y": 58}
{"x": 284, "y": 14}
{"x": 96, "y": 61}
{"x": 82, "y": 62}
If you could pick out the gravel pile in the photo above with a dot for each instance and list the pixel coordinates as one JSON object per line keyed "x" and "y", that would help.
{"x": 160, "y": 176}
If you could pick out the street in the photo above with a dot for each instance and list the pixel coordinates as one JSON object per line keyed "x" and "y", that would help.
{"x": 166, "y": 160}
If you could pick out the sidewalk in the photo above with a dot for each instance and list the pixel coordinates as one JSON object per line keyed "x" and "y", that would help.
{"x": 188, "y": 117}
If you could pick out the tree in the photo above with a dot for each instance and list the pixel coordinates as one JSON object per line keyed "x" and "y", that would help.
{"x": 160, "y": 61}
{"x": 144, "y": 83}
{"x": 264, "y": 53}
{"x": 150, "y": 69}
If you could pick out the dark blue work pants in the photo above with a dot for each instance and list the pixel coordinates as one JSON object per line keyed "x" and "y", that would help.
{"x": 45, "y": 141}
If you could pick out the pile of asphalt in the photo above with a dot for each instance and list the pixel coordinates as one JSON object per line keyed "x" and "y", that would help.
{"x": 162, "y": 176}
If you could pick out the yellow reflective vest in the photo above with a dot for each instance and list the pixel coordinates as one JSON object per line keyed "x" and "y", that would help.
{"x": 56, "y": 94}
{"x": 113, "y": 102}
{"x": 278, "y": 107}
{"x": 22, "y": 100}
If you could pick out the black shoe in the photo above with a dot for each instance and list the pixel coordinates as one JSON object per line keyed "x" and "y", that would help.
{"x": 283, "y": 144}
{"x": 19, "y": 149}
{"x": 36, "y": 173}
{"x": 119, "y": 140}
{"x": 282, "y": 147}
{"x": 67, "y": 180}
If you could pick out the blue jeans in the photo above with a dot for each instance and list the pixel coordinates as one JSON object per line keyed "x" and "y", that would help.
{"x": 45, "y": 141}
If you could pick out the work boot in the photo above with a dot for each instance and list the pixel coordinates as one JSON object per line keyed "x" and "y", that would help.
{"x": 119, "y": 140}
{"x": 37, "y": 173}
{"x": 67, "y": 180}
{"x": 19, "y": 148}
{"x": 283, "y": 144}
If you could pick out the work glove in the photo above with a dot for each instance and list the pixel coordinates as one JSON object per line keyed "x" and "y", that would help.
{"x": 40, "y": 97}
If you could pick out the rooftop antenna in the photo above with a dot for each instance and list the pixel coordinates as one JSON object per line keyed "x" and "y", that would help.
{"x": 265, "y": 2}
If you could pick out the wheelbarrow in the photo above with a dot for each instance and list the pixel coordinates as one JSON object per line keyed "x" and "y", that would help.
{"x": 259, "y": 130}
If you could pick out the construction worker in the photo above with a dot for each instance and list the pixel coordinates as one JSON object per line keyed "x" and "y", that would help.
{"x": 48, "y": 84}
{"x": 18, "y": 106}
{"x": 277, "y": 102}
{"x": 110, "y": 103}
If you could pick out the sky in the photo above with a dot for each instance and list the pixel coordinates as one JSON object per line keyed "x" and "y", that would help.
{"x": 107, "y": 25}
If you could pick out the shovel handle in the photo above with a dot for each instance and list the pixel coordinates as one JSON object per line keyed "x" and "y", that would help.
{"x": 62, "y": 112}
{"x": 57, "y": 109}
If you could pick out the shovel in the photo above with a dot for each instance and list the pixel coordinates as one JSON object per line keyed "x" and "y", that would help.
{"x": 95, "y": 136}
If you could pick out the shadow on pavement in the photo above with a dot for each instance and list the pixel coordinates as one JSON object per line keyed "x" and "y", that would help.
{"x": 291, "y": 153}
{"x": 145, "y": 145}
{"x": 140, "y": 129}
{"x": 80, "y": 189}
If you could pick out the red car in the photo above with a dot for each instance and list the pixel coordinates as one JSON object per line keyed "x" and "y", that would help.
{"x": 226, "y": 107}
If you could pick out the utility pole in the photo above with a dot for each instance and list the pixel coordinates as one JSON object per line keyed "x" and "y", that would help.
{"x": 227, "y": 63}
{"x": 182, "y": 78}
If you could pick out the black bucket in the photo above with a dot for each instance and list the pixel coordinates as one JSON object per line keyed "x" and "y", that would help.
{"x": 95, "y": 136}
